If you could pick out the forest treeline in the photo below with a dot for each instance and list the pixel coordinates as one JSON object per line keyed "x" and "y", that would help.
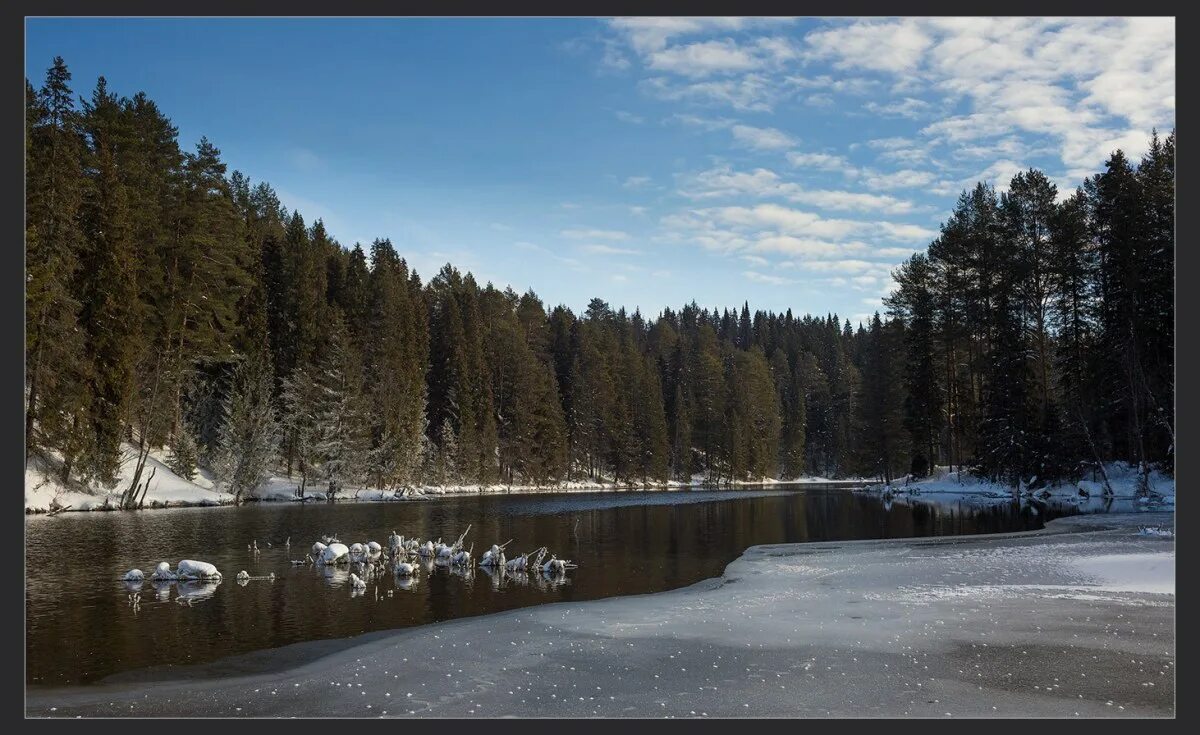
{"x": 172, "y": 304}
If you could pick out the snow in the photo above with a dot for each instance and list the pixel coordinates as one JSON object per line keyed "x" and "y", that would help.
{"x": 961, "y": 485}
{"x": 190, "y": 569}
{"x": 1137, "y": 572}
{"x": 335, "y": 553}
{"x": 44, "y": 492}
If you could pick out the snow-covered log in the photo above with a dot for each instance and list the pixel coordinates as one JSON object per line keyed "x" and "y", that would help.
{"x": 557, "y": 566}
{"x": 494, "y": 557}
{"x": 521, "y": 563}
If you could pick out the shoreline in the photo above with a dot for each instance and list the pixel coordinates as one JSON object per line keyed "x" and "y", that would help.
{"x": 963, "y": 592}
{"x": 435, "y": 492}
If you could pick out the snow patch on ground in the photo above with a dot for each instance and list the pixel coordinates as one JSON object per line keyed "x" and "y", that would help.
{"x": 44, "y": 492}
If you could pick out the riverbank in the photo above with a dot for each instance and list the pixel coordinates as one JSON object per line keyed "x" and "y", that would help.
{"x": 1075, "y": 619}
{"x": 1118, "y": 488}
{"x": 45, "y": 493}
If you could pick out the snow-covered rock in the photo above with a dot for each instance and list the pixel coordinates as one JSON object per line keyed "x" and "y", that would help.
{"x": 404, "y": 569}
{"x": 335, "y": 554}
{"x": 243, "y": 575}
{"x": 374, "y": 547}
{"x": 134, "y": 575}
{"x": 190, "y": 569}
{"x": 163, "y": 573}
{"x": 357, "y": 583}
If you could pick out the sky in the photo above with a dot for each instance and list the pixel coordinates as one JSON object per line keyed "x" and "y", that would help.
{"x": 650, "y": 162}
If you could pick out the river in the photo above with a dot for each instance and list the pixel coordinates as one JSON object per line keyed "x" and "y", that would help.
{"x": 81, "y": 625}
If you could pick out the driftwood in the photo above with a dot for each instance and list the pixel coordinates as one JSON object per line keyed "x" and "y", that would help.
{"x": 58, "y": 510}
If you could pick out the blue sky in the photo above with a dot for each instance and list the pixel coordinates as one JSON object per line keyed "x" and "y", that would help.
{"x": 791, "y": 163}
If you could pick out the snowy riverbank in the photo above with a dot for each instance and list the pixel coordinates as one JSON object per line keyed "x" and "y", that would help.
{"x": 1077, "y": 619}
{"x": 1088, "y": 494}
{"x": 44, "y": 493}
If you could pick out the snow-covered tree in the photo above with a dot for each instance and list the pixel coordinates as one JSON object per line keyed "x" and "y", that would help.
{"x": 249, "y": 436}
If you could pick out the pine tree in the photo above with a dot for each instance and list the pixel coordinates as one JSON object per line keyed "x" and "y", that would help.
{"x": 184, "y": 456}
{"x": 341, "y": 443}
{"x": 249, "y": 436}
{"x": 55, "y": 371}
{"x": 300, "y": 398}
{"x": 881, "y": 429}
{"x": 109, "y": 311}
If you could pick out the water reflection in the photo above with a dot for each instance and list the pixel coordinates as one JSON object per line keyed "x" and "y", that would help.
{"x": 162, "y": 590}
{"x": 627, "y": 543}
{"x": 193, "y": 591}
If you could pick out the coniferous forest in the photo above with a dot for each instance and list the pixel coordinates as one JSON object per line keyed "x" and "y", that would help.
{"x": 173, "y": 304}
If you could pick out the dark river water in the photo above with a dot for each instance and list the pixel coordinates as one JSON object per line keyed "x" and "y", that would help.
{"x": 82, "y": 627}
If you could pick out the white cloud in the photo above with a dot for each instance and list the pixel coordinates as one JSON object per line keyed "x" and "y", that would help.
{"x": 723, "y": 181}
{"x": 608, "y": 250}
{"x": 903, "y": 179}
{"x": 892, "y": 46}
{"x": 767, "y": 279}
{"x": 750, "y": 92}
{"x": 584, "y": 234}
{"x": 647, "y": 34}
{"x": 805, "y": 247}
{"x": 850, "y": 265}
{"x": 841, "y": 84}
{"x": 629, "y": 117}
{"x": 762, "y": 139}
{"x": 636, "y": 182}
{"x": 819, "y": 161}
{"x": 895, "y": 252}
{"x": 909, "y": 107}
{"x": 895, "y": 231}
{"x": 703, "y": 59}
{"x": 849, "y": 201}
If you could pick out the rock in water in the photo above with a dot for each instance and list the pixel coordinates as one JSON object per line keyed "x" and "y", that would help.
{"x": 335, "y": 554}
{"x": 189, "y": 569}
